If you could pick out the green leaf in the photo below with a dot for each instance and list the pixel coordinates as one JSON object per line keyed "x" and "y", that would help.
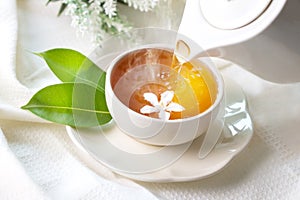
{"x": 74, "y": 104}
{"x": 49, "y": 1}
{"x": 71, "y": 66}
{"x": 62, "y": 8}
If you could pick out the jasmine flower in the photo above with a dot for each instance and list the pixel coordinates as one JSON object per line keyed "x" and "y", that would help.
{"x": 162, "y": 107}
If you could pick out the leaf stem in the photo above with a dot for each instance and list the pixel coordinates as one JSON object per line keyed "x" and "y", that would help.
{"x": 62, "y": 107}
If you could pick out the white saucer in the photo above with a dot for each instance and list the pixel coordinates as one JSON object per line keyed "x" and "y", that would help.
{"x": 138, "y": 161}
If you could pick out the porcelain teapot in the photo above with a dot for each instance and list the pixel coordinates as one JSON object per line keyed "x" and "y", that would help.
{"x": 263, "y": 36}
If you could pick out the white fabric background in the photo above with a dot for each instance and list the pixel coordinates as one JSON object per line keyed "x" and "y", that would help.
{"x": 39, "y": 161}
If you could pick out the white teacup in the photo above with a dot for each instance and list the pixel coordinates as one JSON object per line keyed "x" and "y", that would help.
{"x": 131, "y": 70}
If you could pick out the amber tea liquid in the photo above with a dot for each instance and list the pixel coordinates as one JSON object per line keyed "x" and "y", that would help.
{"x": 157, "y": 70}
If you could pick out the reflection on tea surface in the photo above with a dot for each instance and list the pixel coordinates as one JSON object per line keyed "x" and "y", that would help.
{"x": 154, "y": 70}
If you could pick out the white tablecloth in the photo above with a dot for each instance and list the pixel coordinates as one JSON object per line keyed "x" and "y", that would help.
{"x": 39, "y": 161}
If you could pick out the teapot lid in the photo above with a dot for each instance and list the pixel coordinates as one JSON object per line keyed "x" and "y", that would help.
{"x": 232, "y": 14}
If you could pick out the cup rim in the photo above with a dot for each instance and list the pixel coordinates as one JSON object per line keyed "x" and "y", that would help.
{"x": 214, "y": 71}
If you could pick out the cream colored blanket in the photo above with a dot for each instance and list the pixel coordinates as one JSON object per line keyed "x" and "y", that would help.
{"x": 39, "y": 161}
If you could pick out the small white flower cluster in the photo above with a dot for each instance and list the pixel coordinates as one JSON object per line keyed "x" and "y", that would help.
{"x": 110, "y": 8}
{"x": 100, "y": 17}
{"x": 142, "y": 5}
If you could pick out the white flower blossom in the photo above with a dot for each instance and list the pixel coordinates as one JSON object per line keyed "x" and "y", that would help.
{"x": 110, "y": 8}
{"x": 162, "y": 107}
{"x": 142, "y": 5}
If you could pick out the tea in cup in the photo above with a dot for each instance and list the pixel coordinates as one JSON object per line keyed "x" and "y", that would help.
{"x": 158, "y": 97}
